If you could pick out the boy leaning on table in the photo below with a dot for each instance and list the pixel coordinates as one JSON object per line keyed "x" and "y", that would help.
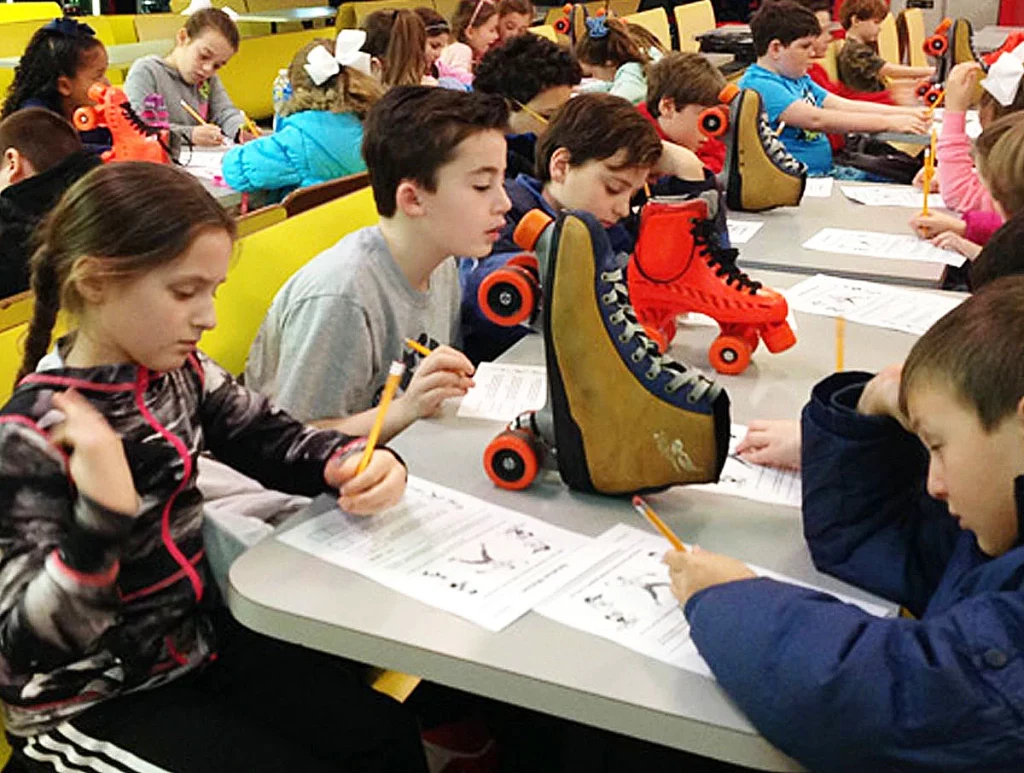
{"x": 827, "y": 683}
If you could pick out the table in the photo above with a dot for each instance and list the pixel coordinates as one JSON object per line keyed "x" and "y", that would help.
{"x": 538, "y": 663}
{"x": 120, "y": 55}
{"x": 992, "y": 37}
{"x": 777, "y": 246}
{"x": 285, "y": 15}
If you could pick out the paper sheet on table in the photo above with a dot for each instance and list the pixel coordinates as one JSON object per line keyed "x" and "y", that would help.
{"x": 502, "y": 392}
{"x": 870, "y": 303}
{"x": 626, "y": 597}
{"x": 818, "y": 187}
{"x": 447, "y": 549}
{"x": 879, "y": 245}
{"x": 742, "y": 231}
{"x": 891, "y": 196}
{"x": 205, "y": 164}
{"x": 741, "y": 478}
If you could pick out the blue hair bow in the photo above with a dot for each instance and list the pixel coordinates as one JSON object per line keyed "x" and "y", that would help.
{"x": 70, "y": 28}
{"x": 597, "y": 27}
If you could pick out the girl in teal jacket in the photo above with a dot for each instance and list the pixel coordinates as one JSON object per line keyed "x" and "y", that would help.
{"x": 321, "y": 129}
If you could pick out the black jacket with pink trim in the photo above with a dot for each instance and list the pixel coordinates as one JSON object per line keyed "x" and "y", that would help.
{"x": 94, "y": 603}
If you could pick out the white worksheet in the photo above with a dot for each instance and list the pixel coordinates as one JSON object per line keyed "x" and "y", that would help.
{"x": 741, "y": 478}
{"x": 742, "y": 231}
{"x": 502, "y": 392}
{"x": 870, "y": 303}
{"x": 447, "y": 549}
{"x": 891, "y": 196}
{"x": 204, "y": 163}
{"x": 626, "y": 597}
{"x": 880, "y": 245}
{"x": 818, "y": 187}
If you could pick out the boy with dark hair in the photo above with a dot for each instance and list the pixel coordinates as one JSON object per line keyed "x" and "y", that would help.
{"x": 1001, "y": 256}
{"x": 436, "y": 160}
{"x": 860, "y": 66}
{"x": 800, "y": 110}
{"x": 832, "y": 686}
{"x": 42, "y": 156}
{"x": 536, "y": 77}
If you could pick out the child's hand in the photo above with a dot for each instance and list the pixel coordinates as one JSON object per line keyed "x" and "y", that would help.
{"x": 207, "y": 135}
{"x": 947, "y": 240}
{"x": 909, "y": 123}
{"x": 444, "y": 373}
{"x": 935, "y": 223}
{"x": 677, "y": 161}
{"x": 774, "y": 443}
{"x": 245, "y": 136}
{"x": 961, "y": 84}
{"x": 695, "y": 570}
{"x": 98, "y": 465}
{"x": 919, "y": 181}
{"x": 376, "y": 488}
{"x": 881, "y": 395}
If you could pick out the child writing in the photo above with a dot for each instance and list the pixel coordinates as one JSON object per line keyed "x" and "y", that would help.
{"x": 438, "y": 36}
{"x": 911, "y": 490}
{"x": 514, "y": 18}
{"x": 436, "y": 159}
{"x": 62, "y": 60}
{"x": 475, "y": 29}
{"x": 860, "y": 66}
{"x": 609, "y": 54}
{"x": 802, "y": 112}
{"x": 321, "y": 130}
{"x": 189, "y": 74}
{"x": 397, "y": 44}
{"x": 115, "y": 643}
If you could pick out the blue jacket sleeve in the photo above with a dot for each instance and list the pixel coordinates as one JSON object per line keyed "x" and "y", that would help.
{"x": 265, "y": 163}
{"x": 867, "y": 517}
{"x": 843, "y": 691}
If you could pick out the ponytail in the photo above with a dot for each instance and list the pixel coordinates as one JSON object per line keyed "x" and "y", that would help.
{"x": 46, "y": 287}
{"x": 608, "y": 40}
{"x": 398, "y": 39}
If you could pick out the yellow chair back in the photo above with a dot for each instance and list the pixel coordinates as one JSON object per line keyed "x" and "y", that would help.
{"x": 913, "y": 22}
{"x": 261, "y": 218}
{"x": 265, "y": 261}
{"x": 888, "y": 40}
{"x": 29, "y": 12}
{"x": 831, "y": 59}
{"x": 545, "y": 31}
{"x": 654, "y": 21}
{"x": 693, "y": 19}
{"x": 158, "y": 26}
{"x": 16, "y": 310}
{"x": 123, "y": 27}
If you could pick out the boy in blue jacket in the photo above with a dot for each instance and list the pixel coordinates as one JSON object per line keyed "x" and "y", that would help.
{"x": 913, "y": 488}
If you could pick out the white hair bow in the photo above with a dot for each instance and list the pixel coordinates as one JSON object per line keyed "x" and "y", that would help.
{"x": 1004, "y": 76}
{"x": 320, "y": 65}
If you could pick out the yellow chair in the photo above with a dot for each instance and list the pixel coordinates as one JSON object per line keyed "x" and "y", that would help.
{"x": 888, "y": 40}
{"x": 831, "y": 59}
{"x": 241, "y": 6}
{"x": 446, "y": 7}
{"x": 911, "y": 32}
{"x": 16, "y": 310}
{"x": 654, "y": 21}
{"x": 123, "y": 27}
{"x": 545, "y": 31}
{"x": 693, "y": 19}
{"x": 351, "y": 15}
{"x": 249, "y": 76}
{"x": 265, "y": 261}
{"x": 304, "y": 199}
{"x": 28, "y": 12}
{"x": 12, "y": 350}
{"x": 623, "y": 7}
{"x": 15, "y": 35}
{"x": 261, "y": 218}
{"x": 158, "y": 26}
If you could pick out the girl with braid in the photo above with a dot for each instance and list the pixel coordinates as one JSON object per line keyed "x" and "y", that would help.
{"x": 109, "y": 626}
{"x": 62, "y": 60}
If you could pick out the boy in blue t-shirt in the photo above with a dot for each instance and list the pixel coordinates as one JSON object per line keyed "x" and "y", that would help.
{"x": 784, "y": 34}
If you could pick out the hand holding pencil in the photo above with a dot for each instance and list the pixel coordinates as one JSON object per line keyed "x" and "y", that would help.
{"x": 206, "y": 133}
{"x": 443, "y": 373}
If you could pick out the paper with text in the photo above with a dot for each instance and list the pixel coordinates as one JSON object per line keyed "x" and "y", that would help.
{"x": 741, "y": 478}
{"x": 818, "y": 187}
{"x": 502, "y": 392}
{"x": 205, "y": 163}
{"x": 871, "y": 303}
{"x": 626, "y": 597}
{"x": 891, "y": 196}
{"x": 447, "y": 549}
{"x": 742, "y": 231}
{"x": 880, "y": 245}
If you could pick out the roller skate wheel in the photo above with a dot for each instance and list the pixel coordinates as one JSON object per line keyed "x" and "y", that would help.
{"x": 508, "y": 296}
{"x": 562, "y": 26}
{"x": 528, "y": 262}
{"x": 729, "y": 354}
{"x": 778, "y": 337}
{"x": 530, "y": 228}
{"x": 85, "y": 119}
{"x": 932, "y": 95}
{"x": 922, "y": 89}
{"x": 512, "y": 459}
{"x": 658, "y": 337}
{"x": 714, "y": 122}
{"x": 936, "y": 45}
{"x": 728, "y": 93}
{"x": 567, "y": 9}
{"x": 750, "y": 335}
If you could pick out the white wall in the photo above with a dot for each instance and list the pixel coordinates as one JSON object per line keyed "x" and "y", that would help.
{"x": 980, "y": 12}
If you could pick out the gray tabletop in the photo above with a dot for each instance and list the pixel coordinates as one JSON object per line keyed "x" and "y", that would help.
{"x": 777, "y": 246}
{"x": 118, "y": 55}
{"x": 536, "y": 662}
{"x": 990, "y": 38}
{"x": 283, "y": 15}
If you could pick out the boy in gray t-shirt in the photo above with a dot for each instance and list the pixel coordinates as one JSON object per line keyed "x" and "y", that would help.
{"x": 436, "y": 160}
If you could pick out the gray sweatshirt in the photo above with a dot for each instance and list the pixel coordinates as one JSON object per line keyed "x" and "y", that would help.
{"x": 154, "y": 75}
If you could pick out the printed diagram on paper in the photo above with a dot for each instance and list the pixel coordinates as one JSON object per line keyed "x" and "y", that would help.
{"x": 741, "y": 478}
{"x": 870, "y": 303}
{"x": 742, "y": 231}
{"x": 891, "y": 196}
{"x": 453, "y": 551}
{"x": 818, "y": 188}
{"x": 502, "y": 392}
{"x": 880, "y": 245}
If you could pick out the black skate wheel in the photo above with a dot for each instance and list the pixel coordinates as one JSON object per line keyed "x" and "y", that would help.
{"x": 512, "y": 459}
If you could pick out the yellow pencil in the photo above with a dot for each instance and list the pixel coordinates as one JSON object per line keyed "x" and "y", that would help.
{"x": 929, "y": 172}
{"x": 192, "y": 112}
{"x": 417, "y": 347}
{"x": 938, "y": 103}
{"x": 645, "y": 510}
{"x": 254, "y": 130}
{"x": 840, "y": 343}
{"x": 390, "y": 387}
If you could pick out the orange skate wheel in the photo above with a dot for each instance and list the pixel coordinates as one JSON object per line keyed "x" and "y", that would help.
{"x": 657, "y": 335}
{"x": 750, "y": 335}
{"x": 85, "y": 119}
{"x": 530, "y": 228}
{"x": 508, "y": 296}
{"x": 512, "y": 459}
{"x": 562, "y": 26}
{"x": 714, "y": 122}
{"x": 936, "y": 45}
{"x": 932, "y": 95}
{"x": 728, "y": 93}
{"x": 778, "y": 337}
{"x": 729, "y": 354}
{"x": 527, "y": 261}
{"x": 922, "y": 89}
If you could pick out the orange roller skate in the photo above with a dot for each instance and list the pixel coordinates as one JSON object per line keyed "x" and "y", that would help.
{"x": 678, "y": 267}
{"x": 134, "y": 140}
{"x": 951, "y": 44}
